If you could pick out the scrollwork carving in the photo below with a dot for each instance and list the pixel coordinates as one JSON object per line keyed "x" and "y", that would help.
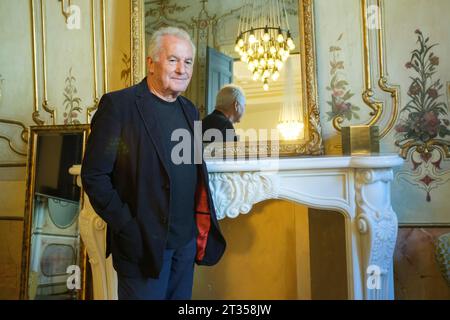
{"x": 377, "y": 221}
{"x": 240, "y": 191}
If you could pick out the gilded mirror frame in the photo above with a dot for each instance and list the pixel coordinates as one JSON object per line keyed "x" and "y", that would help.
{"x": 312, "y": 143}
{"x": 33, "y": 135}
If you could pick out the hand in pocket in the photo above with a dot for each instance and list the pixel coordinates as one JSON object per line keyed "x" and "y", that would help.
{"x": 130, "y": 241}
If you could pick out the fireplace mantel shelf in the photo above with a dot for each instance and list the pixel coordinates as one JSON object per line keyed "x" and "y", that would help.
{"x": 299, "y": 163}
{"x": 356, "y": 186}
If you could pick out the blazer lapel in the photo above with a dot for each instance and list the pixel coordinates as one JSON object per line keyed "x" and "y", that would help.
{"x": 151, "y": 126}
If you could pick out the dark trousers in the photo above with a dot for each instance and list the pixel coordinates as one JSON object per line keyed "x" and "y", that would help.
{"x": 174, "y": 283}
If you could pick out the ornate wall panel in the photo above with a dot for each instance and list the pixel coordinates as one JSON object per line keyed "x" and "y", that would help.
{"x": 388, "y": 68}
{"x": 52, "y": 67}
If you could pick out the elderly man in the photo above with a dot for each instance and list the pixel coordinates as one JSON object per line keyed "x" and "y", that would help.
{"x": 230, "y": 107}
{"x": 160, "y": 214}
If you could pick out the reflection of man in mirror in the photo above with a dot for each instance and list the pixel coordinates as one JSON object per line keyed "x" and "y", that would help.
{"x": 160, "y": 214}
{"x": 230, "y": 107}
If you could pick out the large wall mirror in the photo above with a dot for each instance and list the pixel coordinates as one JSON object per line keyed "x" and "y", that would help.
{"x": 53, "y": 262}
{"x": 215, "y": 27}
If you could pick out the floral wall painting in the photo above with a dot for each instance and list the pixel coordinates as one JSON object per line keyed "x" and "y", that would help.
{"x": 72, "y": 108}
{"x": 426, "y": 114}
{"x": 126, "y": 71}
{"x": 340, "y": 103}
{"x": 340, "y": 67}
{"x": 423, "y": 129}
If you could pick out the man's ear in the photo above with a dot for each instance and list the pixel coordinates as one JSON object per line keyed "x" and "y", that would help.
{"x": 236, "y": 105}
{"x": 150, "y": 65}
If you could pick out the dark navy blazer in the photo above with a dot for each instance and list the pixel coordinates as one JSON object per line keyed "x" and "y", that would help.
{"x": 126, "y": 177}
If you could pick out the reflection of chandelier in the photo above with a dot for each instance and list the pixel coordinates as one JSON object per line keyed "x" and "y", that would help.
{"x": 264, "y": 40}
{"x": 290, "y": 122}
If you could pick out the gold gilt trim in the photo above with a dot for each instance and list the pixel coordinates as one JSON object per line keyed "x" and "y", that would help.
{"x": 35, "y": 114}
{"x": 2, "y": 137}
{"x": 26, "y": 246}
{"x": 424, "y": 147}
{"x": 94, "y": 107}
{"x": 11, "y": 218}
{"x": 376, "y": 106}
{"x": 105, "y": 39}
{"x": 137, "y": 41}
{"x": 382, "y": 82}
{"x": 94, "y": 61}
{"x": 313, "y": 129}
{"x": 29, "y": 197}
{"x": 13, "y": 165}
{"x": 23, "y": 135}
{"x": 45, "y": 103}
{"x": 64, "y": 11}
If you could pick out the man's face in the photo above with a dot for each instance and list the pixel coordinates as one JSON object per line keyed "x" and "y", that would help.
{"x": 171, "y": 73}
{"x": 239, "y": 112}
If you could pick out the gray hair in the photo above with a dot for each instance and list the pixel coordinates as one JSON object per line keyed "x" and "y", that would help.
{"x": 228, "y": 95}
{"x": 154, "y": 44}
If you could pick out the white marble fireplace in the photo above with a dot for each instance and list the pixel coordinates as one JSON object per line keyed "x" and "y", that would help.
{"x": 356, "y": 186}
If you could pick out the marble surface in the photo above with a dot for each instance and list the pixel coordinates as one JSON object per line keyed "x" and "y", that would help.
{"x": 417, "y": 275}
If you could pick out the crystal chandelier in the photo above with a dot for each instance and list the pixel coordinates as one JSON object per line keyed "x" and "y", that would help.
{"x": 264, "y": 40}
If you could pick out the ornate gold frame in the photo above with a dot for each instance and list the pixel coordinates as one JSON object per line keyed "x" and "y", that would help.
{"x": 28, "y": 215}
{"x": 45, "y": 103}
{"x": 312, "y": 143}
{"x": 378, "y": 107}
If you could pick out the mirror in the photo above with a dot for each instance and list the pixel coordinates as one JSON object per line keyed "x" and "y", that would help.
{"x": 53, "y": 261}
{"x": 213, "y": 27}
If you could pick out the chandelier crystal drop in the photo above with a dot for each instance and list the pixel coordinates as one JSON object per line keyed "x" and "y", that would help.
{"x": 264, "y": 40}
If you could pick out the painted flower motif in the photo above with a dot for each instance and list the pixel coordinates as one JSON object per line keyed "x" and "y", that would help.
{"x": 433, "y": 93}
{"x": 431, "y": 123}
{"x": 126, "y": 71}
{"x": 422, "y": 122}
{"x": 434, "y": 60}
{"x": 71, "y": 101}
{"x": 414, "y": 89}
{"x": 401, "y": 128}
{"x": 343, "y": 107}
{"x": 340, "y": 94}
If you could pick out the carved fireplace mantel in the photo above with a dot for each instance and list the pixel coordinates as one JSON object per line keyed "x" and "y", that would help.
{"x": 356, "y": 186}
